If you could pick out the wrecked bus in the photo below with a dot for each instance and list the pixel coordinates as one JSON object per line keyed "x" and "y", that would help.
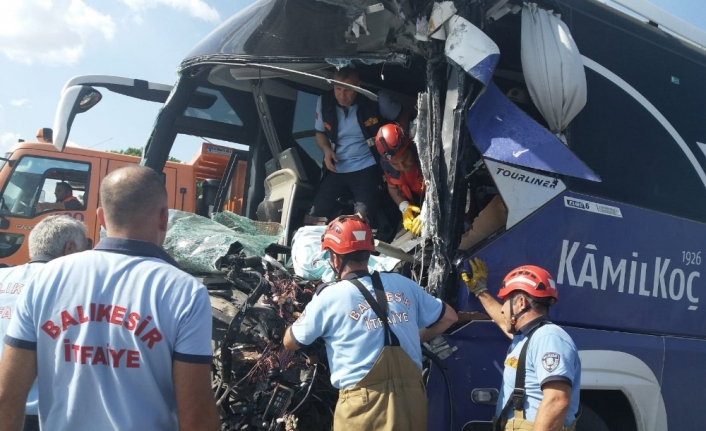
{"x": 584, "y": 118}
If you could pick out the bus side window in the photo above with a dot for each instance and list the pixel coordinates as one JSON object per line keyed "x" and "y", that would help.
{"x": 303, "y": 126}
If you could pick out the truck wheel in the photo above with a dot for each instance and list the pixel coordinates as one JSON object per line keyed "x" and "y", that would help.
{"x": 590, "y": 420}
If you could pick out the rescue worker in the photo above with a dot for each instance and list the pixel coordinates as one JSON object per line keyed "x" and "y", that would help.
{"x": 53, "y": 237}
{"x": 405, "y": 183}
{"x": 346, "y": 124}
{"x": 403, "y": 175}
{"x": 372, "y": 325}
{"x": 542, "y": 376}
{"x": 118, "y": 336}
{"x": 65, "y": 199}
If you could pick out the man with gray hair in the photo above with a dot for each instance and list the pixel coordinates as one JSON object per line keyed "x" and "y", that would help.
{"x": 53, "y": 237}
{"x": 118, "y": 337}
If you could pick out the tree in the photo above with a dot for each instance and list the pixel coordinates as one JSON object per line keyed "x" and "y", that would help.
{"x": 131, "y": 151}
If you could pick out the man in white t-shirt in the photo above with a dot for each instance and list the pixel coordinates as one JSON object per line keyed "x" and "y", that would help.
{"x": 53, "y": 237}
{"x": 118, "y": 337}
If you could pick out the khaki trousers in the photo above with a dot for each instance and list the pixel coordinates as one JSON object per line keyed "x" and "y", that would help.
{"x": 518, "y": 424}
{"x": 391, "y": 397}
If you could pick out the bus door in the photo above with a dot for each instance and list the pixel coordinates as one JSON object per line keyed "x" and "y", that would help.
{"x": 29, "y": 179}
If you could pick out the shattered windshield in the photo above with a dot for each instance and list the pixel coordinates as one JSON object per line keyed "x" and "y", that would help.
{"x": 312, "y": 28}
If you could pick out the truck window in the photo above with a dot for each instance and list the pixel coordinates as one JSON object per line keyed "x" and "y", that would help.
{"x": 34, "y": 181}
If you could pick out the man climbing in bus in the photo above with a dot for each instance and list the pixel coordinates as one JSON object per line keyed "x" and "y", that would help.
{"x": 65, "y": 199}
{"x": 405, "y": 183}
{"x": 346, "y": 124}
{"x": 542, "y": 375}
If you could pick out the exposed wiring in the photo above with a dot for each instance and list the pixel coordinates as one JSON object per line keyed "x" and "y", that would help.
{"x": 306, "y": 396}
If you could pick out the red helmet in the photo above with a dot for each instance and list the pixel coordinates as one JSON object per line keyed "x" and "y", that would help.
{"x": 347, "y": 234}
{"x": 532, "y": 280}
{"x": 391, "y": 141}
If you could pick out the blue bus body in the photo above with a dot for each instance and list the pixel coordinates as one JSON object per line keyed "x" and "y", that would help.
{"x": 621, "y": 222}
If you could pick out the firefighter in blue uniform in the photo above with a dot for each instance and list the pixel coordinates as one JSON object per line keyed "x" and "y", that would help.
{"x": 372, "y": 325}
{"x": 542, "y": 376}
{"x": 53, "y": 237}
{"x": 118, "y": 337}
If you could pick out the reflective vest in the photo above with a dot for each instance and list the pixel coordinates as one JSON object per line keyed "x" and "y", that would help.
{"x": 410, "y": 183}
{"x": 72, "y": 198}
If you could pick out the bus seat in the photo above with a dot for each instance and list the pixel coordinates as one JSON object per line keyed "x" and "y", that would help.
{"x": 285, "y": 196}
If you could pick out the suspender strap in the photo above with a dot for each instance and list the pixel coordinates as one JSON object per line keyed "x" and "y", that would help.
{"x": 517, "y": 399}
{"x": 379, "y": 307}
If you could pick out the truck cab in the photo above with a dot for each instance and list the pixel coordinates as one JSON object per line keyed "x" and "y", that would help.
{"x": 31, "y": 171}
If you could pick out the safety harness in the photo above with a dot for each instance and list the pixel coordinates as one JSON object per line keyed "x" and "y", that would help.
{"x": 517, "y": 399}
{"x": 514, "y": 317}
{"x": 379, "y": 307}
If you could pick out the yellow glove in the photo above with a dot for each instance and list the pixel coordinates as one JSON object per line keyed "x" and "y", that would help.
{"x": 409, "y": 215}
{"x": 416, "y": 227}
{"x": 477, "y": 279}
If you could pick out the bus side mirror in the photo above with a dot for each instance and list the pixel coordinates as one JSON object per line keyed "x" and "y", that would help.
{"x": 74, "y": 100}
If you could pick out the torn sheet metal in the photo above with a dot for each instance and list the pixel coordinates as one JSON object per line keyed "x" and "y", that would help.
{"x": 471, "y": 49}
{"x": 429, "y": 145}
{"x": 430, "y": 210}
{"x": 373, "y": 29}
{"x": 422, "y": 27}
{"x": 447, "y": 126}
{"x": 358, "y": 24}
{"x": 553, "y": 68}
{"x": 502, "y": 8}
{"x": 440, "y": 13}
{"x": 503, "y": 132}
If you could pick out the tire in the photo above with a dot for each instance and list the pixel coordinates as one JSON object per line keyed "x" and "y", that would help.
{"x": 590, "y": 420}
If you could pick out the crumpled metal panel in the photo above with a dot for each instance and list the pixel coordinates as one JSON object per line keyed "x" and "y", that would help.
{"x": 471, "y": 49}
{"x": 428, "y": 140}
{"x": 198, "y": 244}
{"x": 503, "y": 132}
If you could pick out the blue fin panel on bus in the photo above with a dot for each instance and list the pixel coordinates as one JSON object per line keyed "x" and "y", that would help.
{"x": 503, "y": 132}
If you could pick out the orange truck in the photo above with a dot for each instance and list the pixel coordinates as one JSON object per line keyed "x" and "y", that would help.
{"x": 30, "y": 172}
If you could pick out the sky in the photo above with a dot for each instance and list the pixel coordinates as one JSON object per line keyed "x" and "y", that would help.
{"x": 44, "y": 43}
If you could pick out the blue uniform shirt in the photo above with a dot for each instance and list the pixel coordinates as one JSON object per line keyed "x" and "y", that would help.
{"x": 107, "y": 325}
{"x": 352, "y": 151}
{"x": 12, "y": 282}
{"x": 551, "y": 355}
{"x": 354, "y": 337}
